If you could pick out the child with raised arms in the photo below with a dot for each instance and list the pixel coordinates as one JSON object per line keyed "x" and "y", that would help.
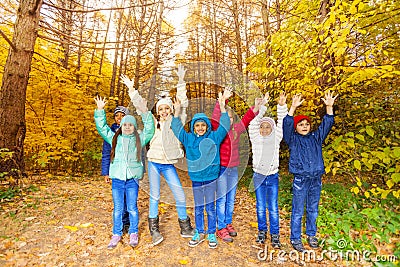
{"x": 266, "y": 136}
{"x": 203, "y": 160}
{"x": 126, "y": 166}
{"x": 307, "y": 165}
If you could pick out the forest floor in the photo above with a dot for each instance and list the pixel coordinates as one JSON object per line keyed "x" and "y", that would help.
{"x": 65, "y": 221}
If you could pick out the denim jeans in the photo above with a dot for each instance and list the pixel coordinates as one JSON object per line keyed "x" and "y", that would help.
{"x": 125, "y": 214}
{"x": 226, "y": 192}
{"x": 204, "y": 195}
{"x": 306, "y": 190}
{"x": 120, "y": 190}
{"x": 267, "y": 188}
{"x": 172, "y": 179}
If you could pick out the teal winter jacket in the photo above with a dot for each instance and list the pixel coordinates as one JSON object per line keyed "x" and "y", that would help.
{"x": 125, "y": 165}
{"x": 202, "y": 152}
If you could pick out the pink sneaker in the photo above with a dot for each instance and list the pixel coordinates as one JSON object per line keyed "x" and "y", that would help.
{"x": 114, "y": 241}
{"x": 224, "y": 235}
{"x": 133, "y": 240}
{"x": 231, "y": 230}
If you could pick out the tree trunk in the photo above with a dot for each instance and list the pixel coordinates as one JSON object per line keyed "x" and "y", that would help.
{"x": 152, "y": 90}
{"x": 14, "y": 84}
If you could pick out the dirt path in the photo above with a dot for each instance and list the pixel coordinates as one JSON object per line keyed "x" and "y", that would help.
{"x": 67, "y": 222}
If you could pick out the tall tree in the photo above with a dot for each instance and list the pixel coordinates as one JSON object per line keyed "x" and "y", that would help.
{"x": 14, "y": 84}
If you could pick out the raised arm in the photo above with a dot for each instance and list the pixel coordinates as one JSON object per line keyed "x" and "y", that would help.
{"x": 329, "y": 100}
{"x": 148, "y": 127}
{"x": 101, "y": 120}
{"x": 296, "y": 102}
{"x": 134, "y": 95}
{"x": 181, "y": 92}
{"x": 282, "y": 111}
{"x": 254, "y": 127}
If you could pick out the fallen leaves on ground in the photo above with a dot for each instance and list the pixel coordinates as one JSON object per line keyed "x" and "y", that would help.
{"x": 68, "y": 222}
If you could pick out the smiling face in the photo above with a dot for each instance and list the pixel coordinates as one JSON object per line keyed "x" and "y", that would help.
{"x": 164, "y": 111}
{"x": 200, "y": 128}
{"x": 303, "y": 127}
{"x": 127, "y": 128}
{"x": 265, "y": 129}
{"x": 118, "y": 117}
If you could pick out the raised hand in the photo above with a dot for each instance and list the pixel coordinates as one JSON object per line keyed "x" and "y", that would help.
{"x": 257, "y": 104}
{"x": 125, "y": 80}
{"x": 265, "y": 99}
{"x": 227, "y": 94}
{"x": 282, "y": 98}
{"x": 181, "y": 72}
{"x": 329, "y": 99}
{"x": 100, "y": 102}
{"x": 177, "y": 107}
{"x": 297, "y": 100}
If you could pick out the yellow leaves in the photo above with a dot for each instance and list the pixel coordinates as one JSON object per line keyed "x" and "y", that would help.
{"x": 253, "y": 224}
{"x": 71, "y": 228}
{"x": 390, "y": 183}
{"x": 355, "y": 190}
{"x": 357, "y": 164}
{"x": 86, "y": 225}
{"x": 77, "y": 226}
{"x": 183, "y": 262}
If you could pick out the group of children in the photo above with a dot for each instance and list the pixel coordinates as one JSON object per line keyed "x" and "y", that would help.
{"x": 212, "y": 154}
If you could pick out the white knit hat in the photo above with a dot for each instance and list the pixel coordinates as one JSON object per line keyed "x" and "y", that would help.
{"x": 269, "y": 120}
{"x": 165, "y": 101}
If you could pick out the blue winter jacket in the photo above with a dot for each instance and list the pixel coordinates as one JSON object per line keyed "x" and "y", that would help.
{"x": 306, "y": 150}
{"x": 105, "y": 153}
{"x": 202, "y": 152}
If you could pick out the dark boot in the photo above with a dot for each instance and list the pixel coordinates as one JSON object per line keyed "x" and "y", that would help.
{"x": 186, "y": 228}
{"x": 154, "y": 232}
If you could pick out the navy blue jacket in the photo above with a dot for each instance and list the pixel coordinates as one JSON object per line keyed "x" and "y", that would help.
{"x": 105, "y": 153}
{"x": 202, "y": 152}
{"x": 306, "y": 150}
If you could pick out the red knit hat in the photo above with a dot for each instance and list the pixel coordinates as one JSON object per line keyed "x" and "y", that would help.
{"x": 299, "y": 118}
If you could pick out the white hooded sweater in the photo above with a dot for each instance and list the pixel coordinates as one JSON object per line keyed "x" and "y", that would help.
{"x": 266, "y": 148}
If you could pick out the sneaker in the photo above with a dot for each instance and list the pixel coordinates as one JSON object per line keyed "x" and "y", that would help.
{"x": 212, "y": 241}
{"x": 196, "y": 239}
{"x": 261, "y": 237}
{"x": 275, "y": 241}
{"x": 312, "y": 241}
{"x": 114, "y": 241}
{"x": 231, "y": 230}
{"x": 133, "y": 240}
{"x": 297, "y": 245}
{"x": 224, "y": 235}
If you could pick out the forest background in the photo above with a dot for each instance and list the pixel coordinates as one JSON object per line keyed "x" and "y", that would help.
{"x": 56, "y": 55}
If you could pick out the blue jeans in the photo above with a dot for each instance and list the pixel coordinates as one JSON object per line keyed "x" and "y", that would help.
{"x": 226, "y": 192}
{"x": 172, "y": 179}
{"x": 125, "y": 214}
{"x": 204, "y": 195}
{"x": 306, "y": 190}
{"x": 120, "y": 190}
{"x": 267, "y": 188}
